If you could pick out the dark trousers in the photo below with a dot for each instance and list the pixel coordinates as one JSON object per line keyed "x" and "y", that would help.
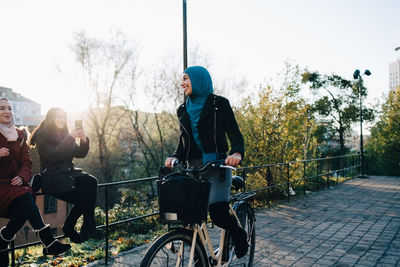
{"x": 219, "y": 213}
{"x": 22, "y": 209}
{"x": 84, "y": 197}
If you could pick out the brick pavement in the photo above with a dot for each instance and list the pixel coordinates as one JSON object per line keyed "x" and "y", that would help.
{"x": 354, "y": 224}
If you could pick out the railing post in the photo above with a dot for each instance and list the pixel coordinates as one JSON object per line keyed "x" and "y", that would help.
{"x": 269, "y": 181}
{"x": 329, "y": 172}
{"x": 107, "y": 232}
{"x": 337, "y": 172}
{"x": 337, "y": 177}
{"x": 304, "y": 178}
{"x": 352, "y": 167}
{"x": 12, "y": 254}
{"x": 288, "y": 181}
{"x": 345, "y": 168}
{"x": 244, "y": 178}
{"x": 318, "y": 166}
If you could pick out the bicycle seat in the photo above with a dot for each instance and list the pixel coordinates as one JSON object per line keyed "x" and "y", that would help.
{"x": 237, "y": 182}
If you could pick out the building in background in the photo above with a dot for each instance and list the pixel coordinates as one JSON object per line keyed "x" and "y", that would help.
{"x": 394, "y": 71}
{"x": 26, "y": 111}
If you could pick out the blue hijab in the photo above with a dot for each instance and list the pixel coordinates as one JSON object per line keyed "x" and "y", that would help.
{"x": 201, "y": 88}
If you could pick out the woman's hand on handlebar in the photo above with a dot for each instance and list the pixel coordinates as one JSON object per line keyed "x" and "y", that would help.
{"x": 168, "y": 161}
{"x": 233, "y": 160}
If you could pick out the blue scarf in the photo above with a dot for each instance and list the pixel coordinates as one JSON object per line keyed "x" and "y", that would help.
{"x": 201, "y": 88}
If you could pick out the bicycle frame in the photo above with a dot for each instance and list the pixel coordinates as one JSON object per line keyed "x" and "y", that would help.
{"x": 202, "y": 232}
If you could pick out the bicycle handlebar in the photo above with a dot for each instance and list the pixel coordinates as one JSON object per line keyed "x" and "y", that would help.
{"x": 214, "y": 163}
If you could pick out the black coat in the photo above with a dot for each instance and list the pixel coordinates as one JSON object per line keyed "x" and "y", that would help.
{"x": 58, "y": 153}
{"x": 216, "y": 121}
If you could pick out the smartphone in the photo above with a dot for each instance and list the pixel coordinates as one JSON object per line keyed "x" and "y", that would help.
{"x": 78, "y": 124}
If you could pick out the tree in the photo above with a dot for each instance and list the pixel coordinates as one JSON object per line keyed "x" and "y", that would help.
{"x": 151, "y": 138}
{"x": 277, "y": 127}
{"x": 109, "y": 68}
{"x": 383, "y": 146}
{"x": 337, "y": 104}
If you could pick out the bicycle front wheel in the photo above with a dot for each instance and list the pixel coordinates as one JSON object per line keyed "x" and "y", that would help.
{"x": 247, "y": 220}
{"x": 173, "y": 249}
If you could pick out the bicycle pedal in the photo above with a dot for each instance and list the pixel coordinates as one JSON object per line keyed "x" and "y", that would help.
{"x": 214, "y": 262}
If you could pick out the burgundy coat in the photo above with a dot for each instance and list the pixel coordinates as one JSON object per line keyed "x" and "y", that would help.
{"x": 17, "y": 163}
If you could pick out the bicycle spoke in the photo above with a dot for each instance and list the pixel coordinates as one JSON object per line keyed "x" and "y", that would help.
{"x": 173, "y": 250}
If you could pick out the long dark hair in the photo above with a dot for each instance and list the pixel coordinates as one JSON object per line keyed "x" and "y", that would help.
{"x": 48, "y": 127}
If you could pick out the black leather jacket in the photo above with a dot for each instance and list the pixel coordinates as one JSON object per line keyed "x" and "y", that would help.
{"x": 216, "y": 120}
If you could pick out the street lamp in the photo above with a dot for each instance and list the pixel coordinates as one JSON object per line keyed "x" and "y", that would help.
{"x": 185, "y": 57}
{"x": 356, "y": 75}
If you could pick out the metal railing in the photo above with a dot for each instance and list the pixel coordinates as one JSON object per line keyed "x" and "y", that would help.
{"x": 290, "y": 174}
{"x": 304, "y": 174}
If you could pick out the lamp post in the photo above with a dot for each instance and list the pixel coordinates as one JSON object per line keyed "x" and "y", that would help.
{"x": 356, "y": 75}
{"x": 185, "y": 57}
{"x": 184, "y": 35}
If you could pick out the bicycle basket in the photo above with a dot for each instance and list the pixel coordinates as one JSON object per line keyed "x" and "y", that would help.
{"x": 182, "y": 199}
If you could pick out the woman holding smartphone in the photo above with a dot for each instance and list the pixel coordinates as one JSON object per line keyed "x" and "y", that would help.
{"x": 57, "y": 147}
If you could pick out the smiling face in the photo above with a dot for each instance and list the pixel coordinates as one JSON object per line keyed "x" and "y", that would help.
{"x": 6, "y": 114}
{"x": 60, "y": 119}
{"x": 186, "y": 84}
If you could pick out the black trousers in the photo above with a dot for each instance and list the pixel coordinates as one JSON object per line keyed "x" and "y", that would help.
{"x": 22, "y": 209}
{"x": 219, "y": 213}
{"x": 83, "y": 196}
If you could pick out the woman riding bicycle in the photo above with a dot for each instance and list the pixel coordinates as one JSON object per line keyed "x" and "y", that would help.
{"x": 204, "y": 120}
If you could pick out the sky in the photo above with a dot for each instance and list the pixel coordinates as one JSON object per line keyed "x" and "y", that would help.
{"x": 247, "y": 38}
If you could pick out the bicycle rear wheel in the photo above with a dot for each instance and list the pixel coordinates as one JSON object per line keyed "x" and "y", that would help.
{"x": 173, "y": 249}
{"x": 247, "y": 220}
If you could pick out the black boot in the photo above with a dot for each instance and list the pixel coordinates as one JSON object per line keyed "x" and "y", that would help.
{"x": 239, "y": 239}
{"x": 3, "y": 249}
{"x": 69, "y": 226}
{"x": 72, "y": 234}
{"x": 88, "y": 229}
{"x": 51, "y": 246}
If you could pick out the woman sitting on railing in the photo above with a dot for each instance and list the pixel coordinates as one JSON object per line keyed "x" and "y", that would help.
{"x": 57, "y": 147}
{"x": 16, "y": 201}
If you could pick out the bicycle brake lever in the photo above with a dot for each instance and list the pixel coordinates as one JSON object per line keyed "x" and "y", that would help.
{"x": 228, "y": 167}
{"x": 220, "y": 165}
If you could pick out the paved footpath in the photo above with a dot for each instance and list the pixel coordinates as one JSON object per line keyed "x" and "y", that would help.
{"x": 354, "y": 224}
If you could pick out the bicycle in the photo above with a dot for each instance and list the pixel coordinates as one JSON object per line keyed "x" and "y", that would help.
{"x": 190, "y": 243}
